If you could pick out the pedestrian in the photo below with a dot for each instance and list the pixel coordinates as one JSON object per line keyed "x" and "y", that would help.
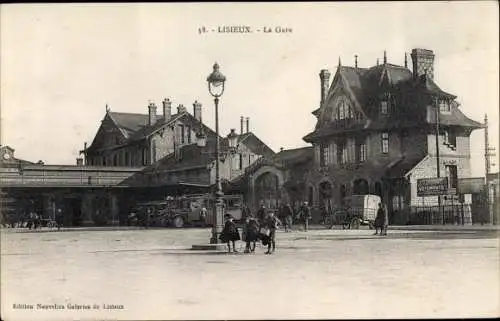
{"x": 261, "y": 213}
{"x": 230, "y": 233}
{"x": 305, "y": 213}
{"x": 381, "y": 220}
{"x": 59, "y": 218}
{"x": 272, "y": 223}
{"x": 287, "y": 216}
{"x": 251, "y": 233}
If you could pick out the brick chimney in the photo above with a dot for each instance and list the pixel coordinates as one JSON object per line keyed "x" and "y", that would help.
{"x": 197, "y": 110}
{"x": 423, "y": 61}
{"x": 248, "y": 124}
{"x": 242, "y": 121}
{"x": 181, "y": 109}
{"x": 324, "y": 77}
{"x": 79, "y": 161}
{"x": 152, "y": 113}
{"x": 167, "y": 109}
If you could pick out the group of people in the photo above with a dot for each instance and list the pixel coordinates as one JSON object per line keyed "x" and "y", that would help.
{"x": 254, "y": 230}
{"x": 263, "y": 227}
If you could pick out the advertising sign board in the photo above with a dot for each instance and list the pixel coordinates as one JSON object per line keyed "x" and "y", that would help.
{"x": 432, "y": 186}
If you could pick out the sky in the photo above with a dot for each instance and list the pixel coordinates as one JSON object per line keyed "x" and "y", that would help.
{"x": 62, "y": 63}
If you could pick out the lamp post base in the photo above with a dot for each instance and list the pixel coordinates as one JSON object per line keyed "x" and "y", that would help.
{"x": 209, "y": 247}
{"x": 215, "y": 243}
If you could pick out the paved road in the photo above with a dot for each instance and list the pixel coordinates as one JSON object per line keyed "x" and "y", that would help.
{"x": 318, "y": 274}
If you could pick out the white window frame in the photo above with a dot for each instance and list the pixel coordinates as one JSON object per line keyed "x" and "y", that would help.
{"x": 385, "y": 143}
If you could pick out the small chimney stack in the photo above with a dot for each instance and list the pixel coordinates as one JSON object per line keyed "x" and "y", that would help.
{"x": 406, "y": 60}
{"x": 248, "y": 124}
{"x": 356, "y": 61}
{"x": 385, "y": 57}
{"x": 167, "y": 109}
{"x": 152, "y": 113}
{"x": 197, "y": 110}
{"x": 423, "y": 61}
{"x": 281, "y": 149}
{"x": 79, "y": 161}
{"x": 181, "y": 109}
{"x": 242, "y": 121}
{"x": 324, "y": 77}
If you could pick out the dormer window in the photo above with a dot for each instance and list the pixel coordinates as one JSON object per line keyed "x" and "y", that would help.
{"x": 344, "y": 110}
{"x": 384, "y": 108}
{"x": 444, "y": 106}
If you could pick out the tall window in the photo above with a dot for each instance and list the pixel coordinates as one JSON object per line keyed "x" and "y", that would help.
{"x": 340, "y": 152}
{"x": 188, "y": 132}
{"x": 351, "y": 150}
{"x": 183, "y": 138}
{"x": 323, "y": 154}
{"x": 449, "y": 137}
{"x": 344, "y": 109}
{"x": 385, "y": 143}
{"x": 361, "y": 151}
{"x": 153, "y": 147}
{"x": 452, "y": 174}
{"x": 444, "y": 106}
{"x": 384, "y": 110}
{"x": 240, "y": 163}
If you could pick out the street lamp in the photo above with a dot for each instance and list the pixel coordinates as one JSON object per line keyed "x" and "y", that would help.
{"x": 216, "y": 81}
{"x": 232, "y": 139}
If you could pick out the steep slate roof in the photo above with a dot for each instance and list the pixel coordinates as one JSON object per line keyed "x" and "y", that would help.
{"x": 256, "y": 145}
{"x": 366, "y": 84}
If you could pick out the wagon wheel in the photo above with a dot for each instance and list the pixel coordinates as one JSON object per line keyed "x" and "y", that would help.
{"x": 354, "y": 225}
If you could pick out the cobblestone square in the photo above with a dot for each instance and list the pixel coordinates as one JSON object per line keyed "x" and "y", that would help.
{"x": 152, "y": 274}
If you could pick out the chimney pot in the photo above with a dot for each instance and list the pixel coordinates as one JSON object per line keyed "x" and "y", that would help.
{"x": 248, "y": 124}
{"x": 181, "y": 108}
{"x": 152, "y": 113}
{"x": 242, "y": 121}
{"x": 167, "y": 109}
{"x": 197, "y": 110}
{"x": 281, "y": 149}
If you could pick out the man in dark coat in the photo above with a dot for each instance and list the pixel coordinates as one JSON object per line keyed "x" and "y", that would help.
{"x": 286, "y": 216}
{"x": 230, "y": 233}
{"x": 251, "y": 233}
{"x": 261, "y": 213}
{"x": 381, "y": 220}
{"x": 59, "y": 218}
{"x": 272, "y": 223}
{"x": 305, "y": 213}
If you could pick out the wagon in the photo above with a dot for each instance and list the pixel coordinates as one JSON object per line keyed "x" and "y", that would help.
{"x": 358, "y": 210}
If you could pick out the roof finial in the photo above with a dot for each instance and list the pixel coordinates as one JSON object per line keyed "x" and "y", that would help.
{"x": 385, "y": 57}
{"x": 107, "y": 108}
{"x": 356, "y": 61}
{"x": 340, "y": 62}
{"x": 406, "y": 61}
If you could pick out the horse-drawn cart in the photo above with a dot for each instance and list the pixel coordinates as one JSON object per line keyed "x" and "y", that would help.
{"x": 358, "y": 210}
